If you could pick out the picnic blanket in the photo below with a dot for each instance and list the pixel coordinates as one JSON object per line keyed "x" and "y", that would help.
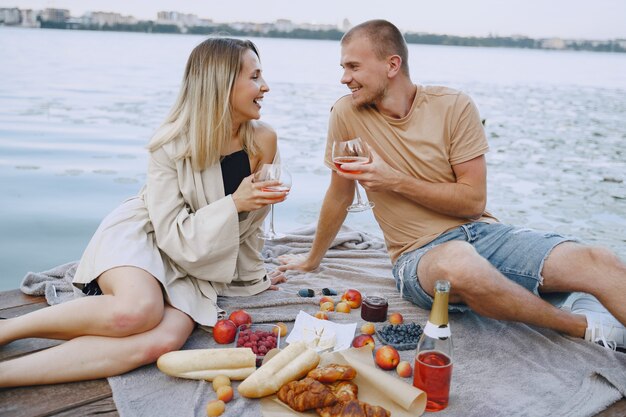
{"x": 500, "y": 368}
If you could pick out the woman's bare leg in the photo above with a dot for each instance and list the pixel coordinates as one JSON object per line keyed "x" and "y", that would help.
{"x": 132, "y": 303}
{"x": 93, "y": 357}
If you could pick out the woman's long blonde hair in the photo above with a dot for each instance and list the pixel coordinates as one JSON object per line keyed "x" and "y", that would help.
{"x": 201, "y": 116}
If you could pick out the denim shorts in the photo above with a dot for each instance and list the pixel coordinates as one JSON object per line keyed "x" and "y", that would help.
{"x": 518, "y": 253}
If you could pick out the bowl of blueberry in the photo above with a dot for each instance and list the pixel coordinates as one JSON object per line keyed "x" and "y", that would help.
{"x": 402, "y": 336}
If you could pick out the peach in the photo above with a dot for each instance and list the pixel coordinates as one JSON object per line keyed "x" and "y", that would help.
{"x": 327, "y": 306}
{"x": 387, "y": 357}
{"x": 364, "y": 340}
{"x": 215, "y": 408}
{"x": 342, "y": 307}
{"x": 321, "y": 315}
{"x": 220, "y": 381}
{"x": 281, "y": 330}
{"x": 225, "y": 393}
{"x": 368, "y": 328}
{"x": 404, "y": 369}
{"x": 240, "y": 317}
{"x": 326, "y": 300}
{"x": 352, "y": 297}
{"x": 224, "y": 331}
{"x": 396, "y": 318}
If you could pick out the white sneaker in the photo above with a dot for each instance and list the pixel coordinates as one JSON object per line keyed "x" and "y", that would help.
{"x": 602, "y": 327}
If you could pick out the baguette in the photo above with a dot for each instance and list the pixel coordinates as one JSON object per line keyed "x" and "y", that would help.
{"x": 290, "y": 364}
{"x": 206, "y": 364}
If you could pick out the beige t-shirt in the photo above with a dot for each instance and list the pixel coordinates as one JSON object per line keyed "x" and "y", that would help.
{"x": 442, "y": 129}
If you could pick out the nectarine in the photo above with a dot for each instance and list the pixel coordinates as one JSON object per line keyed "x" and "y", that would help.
{"x": 321, "y": 315}
{"x": 225, "y": 393}
{"x": 215, "y": 408}
{"x": 404, "y": 369}
{"x": 220, "y": 381}
{"x": 327, "y": 306}
{"x": 281, "y": 330}
{"x": 364, "y": 340}
{"x": 342, "y": 307}
{"x": 387, "y": 357}
{"x": 396, "y": 318}
{"x": 352, "y": 297}
{"x": 240, "y": 317}
{"x": 368, "y": 328}
{"x": 224, "y": 331}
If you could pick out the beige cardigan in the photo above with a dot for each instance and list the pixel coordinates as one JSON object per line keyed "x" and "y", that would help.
{"x": 185, "y": 232}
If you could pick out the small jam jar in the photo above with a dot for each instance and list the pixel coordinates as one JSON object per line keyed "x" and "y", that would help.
{"x": 374, "y": 308}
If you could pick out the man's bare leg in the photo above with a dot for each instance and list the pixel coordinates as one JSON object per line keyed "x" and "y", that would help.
{"x": 475, "y": 282}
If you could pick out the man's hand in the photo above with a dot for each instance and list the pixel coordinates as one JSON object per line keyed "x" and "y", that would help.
{"x": 374, "y": 176}
{"x": 298, "y": 262}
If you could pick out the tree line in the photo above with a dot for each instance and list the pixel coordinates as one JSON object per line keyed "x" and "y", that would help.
{"x": 335, "y": 34}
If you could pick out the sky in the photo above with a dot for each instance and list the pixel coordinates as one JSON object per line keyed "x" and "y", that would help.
{"x": 570, "y": 19}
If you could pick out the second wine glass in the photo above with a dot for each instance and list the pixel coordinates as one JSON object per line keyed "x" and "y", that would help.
{"x": 273, "y": 172}
{"x": 352, "y": 151}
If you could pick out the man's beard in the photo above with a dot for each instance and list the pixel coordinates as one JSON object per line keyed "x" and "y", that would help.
{"x": 375, "y": 97}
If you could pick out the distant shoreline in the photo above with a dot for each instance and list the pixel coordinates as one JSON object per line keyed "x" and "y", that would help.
{"x": 519, "y": 42}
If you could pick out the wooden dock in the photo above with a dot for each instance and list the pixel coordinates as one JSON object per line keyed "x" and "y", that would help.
{"x": 80, "y": 399}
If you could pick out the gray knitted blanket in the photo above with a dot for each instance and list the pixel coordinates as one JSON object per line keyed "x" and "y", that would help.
{"x": 500, "y": 369}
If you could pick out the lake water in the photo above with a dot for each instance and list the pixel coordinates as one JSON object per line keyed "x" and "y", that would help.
{"x": 77, "y": 108}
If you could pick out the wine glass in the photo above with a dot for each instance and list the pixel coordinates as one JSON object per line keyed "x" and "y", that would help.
{"x": 273, "y": 172}
{"x": 353, "y": 151}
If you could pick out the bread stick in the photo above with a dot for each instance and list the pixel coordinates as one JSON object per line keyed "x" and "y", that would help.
{"x": 290, "y": 364}
{"x": 206, "y": 364}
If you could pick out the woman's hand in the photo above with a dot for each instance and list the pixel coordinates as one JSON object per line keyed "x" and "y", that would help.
{"x": 250, "y": 196}
{"x": 276, "y": 277}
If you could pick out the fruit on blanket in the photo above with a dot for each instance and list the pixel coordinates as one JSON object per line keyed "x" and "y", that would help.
{"x": 220, "y": 381}
{"x": 342, "y": 307}
{"x": 363, "y": 340}
{"x": 240, "y": 317}
{"x": 352, "y": 297}
{"x": 396, "y": 318}
{"x": 281, "y": 330}
{"x": 387, "y": 357}
{"x": 321, "y": 315}
{"x": 224, "y": 331}
{"x": 225, "y": 393}
{"x": 326, "y": 299}
{"x": 215, "y": 408}
{"x": 404, "y": 369}
{"x": 368, "y": 328}
{"x": 327, "y": 306}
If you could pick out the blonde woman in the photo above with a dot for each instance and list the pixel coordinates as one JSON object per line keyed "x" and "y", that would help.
{"x": 158, "y": 262}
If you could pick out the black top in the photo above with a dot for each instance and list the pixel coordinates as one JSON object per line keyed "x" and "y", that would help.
{"x": 235, "y": 167}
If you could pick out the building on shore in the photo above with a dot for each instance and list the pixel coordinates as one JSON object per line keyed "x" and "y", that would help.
{"x": 19, "y": 17}
{"x": 102, "y": 19}
{"x": 55, "y": 15}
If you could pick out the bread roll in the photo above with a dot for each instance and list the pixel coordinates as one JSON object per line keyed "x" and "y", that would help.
{"x": 206, "y": 364}
{"x": 290, "y": 364}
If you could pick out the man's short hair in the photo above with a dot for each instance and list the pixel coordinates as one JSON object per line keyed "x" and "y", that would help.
{"x": 385, "y": 37}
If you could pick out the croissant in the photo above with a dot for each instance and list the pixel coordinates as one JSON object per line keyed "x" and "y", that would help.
{"x": 344, "y": 391}
{"x": 353, "y": 408}
{"x": 333, "y": 372}
{"x": 306, "y": 394}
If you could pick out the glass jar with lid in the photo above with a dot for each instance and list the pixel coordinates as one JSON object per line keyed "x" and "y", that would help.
{"x": 374, "y": 308}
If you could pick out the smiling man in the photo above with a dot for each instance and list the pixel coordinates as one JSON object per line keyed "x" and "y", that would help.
{"x": 427, "y": 179}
